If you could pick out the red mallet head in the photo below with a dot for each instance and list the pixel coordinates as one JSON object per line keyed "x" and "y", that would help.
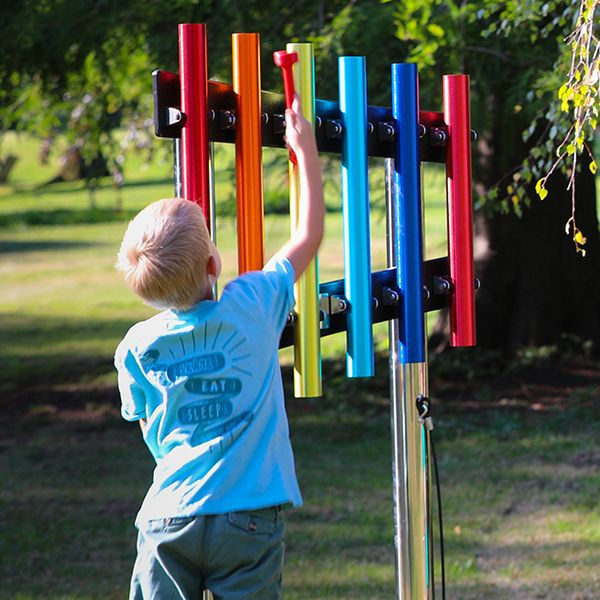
{"x": 285, "y": 60}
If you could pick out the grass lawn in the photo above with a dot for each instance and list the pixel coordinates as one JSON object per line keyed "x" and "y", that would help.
{"x": 519, "y": 453}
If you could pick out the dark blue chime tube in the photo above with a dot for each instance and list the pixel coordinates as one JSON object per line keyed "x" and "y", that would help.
{"x": 407, "y": 211}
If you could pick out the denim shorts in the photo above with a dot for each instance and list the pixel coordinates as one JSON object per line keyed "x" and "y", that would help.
{"x": 236, "y": 556}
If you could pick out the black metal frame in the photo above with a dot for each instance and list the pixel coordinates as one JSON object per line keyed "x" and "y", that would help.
{"x": 387, "y": 298}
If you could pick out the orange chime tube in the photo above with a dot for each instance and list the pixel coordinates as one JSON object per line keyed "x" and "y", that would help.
{"x": 248, "y": 150}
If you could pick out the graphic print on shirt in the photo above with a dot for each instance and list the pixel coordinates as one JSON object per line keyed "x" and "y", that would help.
{"x": 206, "y": 363}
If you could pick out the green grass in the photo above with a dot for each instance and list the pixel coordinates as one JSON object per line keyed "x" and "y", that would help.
{"x": 520, "y": 489}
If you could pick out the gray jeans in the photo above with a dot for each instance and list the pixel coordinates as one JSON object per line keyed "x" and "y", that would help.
{"x": 236, "y": 556}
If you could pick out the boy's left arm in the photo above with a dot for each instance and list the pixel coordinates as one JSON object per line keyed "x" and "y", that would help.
{"x": 133, "y": 399}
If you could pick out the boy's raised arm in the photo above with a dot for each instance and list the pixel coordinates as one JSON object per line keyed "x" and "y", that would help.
{"x": 304, "y": 242}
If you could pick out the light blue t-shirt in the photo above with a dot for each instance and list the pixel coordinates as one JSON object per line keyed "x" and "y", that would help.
{"x": 208, "y": 382}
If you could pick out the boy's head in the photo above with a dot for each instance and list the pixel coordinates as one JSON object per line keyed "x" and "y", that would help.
{"x": 167, "y": 256}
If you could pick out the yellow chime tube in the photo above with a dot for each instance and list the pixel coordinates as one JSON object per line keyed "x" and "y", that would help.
{"x": 307, "y": 340}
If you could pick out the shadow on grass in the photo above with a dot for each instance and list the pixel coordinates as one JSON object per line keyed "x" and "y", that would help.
{"x": 64, "y": 216}
{"x": 39, "y": 246}
{"x": 36, "y": 373}
{"x": 72, "y": 187}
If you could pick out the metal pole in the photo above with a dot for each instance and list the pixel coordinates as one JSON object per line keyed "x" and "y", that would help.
{"x": 401, "y": 545}
{"x": 212, "y": 202}
{"x": 408, "y": 370}
{"x": 410, "y": 451}
{"x": 177, "y": 167}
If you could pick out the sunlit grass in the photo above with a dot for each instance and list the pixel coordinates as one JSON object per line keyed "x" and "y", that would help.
{"x": 520, "y": 492}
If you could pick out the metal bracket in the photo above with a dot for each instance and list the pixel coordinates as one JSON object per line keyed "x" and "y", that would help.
{"x": 423, "y": 410}
{"x": 437, "y": 136}
{"x": 441, "y": 286}
{"x": 331, "y": 304}
{"x": 226, "y": 119}
{"x": 333, "y": 129}
{"x": 390, "y": 296}
{"x": 385, "y": 131}
{"x": 278, "y": 122}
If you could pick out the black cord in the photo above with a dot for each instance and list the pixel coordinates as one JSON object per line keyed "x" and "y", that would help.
{"x": 430, "y": 516}
{"x": 440, "y": 519}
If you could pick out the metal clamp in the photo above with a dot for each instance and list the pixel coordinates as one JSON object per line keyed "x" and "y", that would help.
{"x": 437, "y": 136}
{"x": 441, "y": 286}
{"x": 333, "y": 129}
{"x": 423, "y": 410}
{"x": 175, "y": 116}
{"x": 390, "y": 296}
{"x": 331, "y": 305}
{"x": 226, "y": 119}
{"x": 278, "y": 122}
{"x": 385, "y": 131}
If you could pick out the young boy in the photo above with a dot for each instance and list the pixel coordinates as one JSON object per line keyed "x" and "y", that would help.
{"x": 202, "y": 377}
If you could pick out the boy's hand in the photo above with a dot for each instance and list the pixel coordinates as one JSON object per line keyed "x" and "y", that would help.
{"x": 299, "y": 134}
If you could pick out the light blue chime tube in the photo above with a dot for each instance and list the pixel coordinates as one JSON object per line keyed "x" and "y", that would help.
{"x": 408, "y": 369}
{"x": 356, "y": 216}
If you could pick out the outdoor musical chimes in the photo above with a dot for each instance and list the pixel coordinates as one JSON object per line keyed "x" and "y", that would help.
{"x": 405, "y": 137}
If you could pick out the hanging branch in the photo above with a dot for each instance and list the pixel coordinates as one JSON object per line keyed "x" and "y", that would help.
{"x": 579, "y": 95}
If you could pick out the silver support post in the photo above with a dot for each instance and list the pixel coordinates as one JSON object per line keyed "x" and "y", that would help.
{"x": 211, "y": 191}
{"x": 177, "y": 167}
{"x": 409, "y": 451}
{"x": 212, "y": 201}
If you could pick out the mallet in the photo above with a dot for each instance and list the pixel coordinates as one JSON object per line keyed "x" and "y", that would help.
{"x": 285, "y": 61}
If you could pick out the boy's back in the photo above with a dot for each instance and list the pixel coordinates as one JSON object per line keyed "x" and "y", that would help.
{"x": 208, "y": 383}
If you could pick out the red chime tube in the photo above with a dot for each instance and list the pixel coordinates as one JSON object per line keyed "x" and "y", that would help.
{"x": 460, "y": 210}
{"x": 193, "y": 74}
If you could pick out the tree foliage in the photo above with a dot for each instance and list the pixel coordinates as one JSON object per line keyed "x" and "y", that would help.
{"x": 82, "y": 69}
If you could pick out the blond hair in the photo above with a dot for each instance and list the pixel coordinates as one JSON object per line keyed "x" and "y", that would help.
{"x": 164, "y": 254}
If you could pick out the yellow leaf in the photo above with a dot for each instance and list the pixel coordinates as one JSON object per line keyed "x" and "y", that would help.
{"x": 543, "y": 193}
{"x": 539, "y": 185}
{"x": 579, "y": 238}
{"x": 515, "y": 200}
{"x": 577, "y": 75}
{"x": 562, "y": 90}
{"x": 571, "y": 149}
{"x": 593, "y": 167}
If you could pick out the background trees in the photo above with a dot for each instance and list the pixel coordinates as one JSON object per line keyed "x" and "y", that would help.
{"x": 82, "y": 70}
